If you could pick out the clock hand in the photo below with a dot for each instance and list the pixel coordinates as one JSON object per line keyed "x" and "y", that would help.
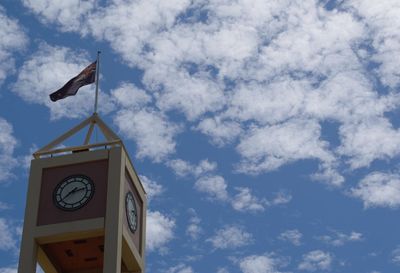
{"x": 68, "y": 194}
{"x": 74, "y": 190}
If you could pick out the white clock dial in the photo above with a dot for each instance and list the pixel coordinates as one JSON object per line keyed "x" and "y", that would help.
{"x": 131, "y": 212}
{"x": 73, "y": 192}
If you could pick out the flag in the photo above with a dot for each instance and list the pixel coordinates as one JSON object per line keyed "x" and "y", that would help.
{"x": 87, "y": 76}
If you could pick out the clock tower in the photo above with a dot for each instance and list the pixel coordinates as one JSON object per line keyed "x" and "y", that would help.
{"x": 85, "y": 209}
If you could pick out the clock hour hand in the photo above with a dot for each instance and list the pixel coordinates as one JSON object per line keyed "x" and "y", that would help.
{"x": 68, "y": 194}
{"x": 74, "y": 190}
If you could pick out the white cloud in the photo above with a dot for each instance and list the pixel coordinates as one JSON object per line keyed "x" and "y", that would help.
{"x": 222, "y": 132}
{"x": 292, "y": 235}
{"x": 383, "y": 23}
{"x": 194, "y": 228}
{"x": 183, "y": 168}
{"x": 396, "y": 255}
{"x": 13, "y": 40}
{"x": 366, "y": 141}
{"x": 7, "y": 146}
{"x": 153, "y": 133}
{"x": 25, "y": 160}
{"x": 215, "y": 186}
{"x": 245, "y": 201}
{"x": 270, "y": 104}
{"x": 4, "y": 206}
{"x": 190, "y": 94}
{"x": 129, "y": 96}
{"x": 259, "y": 264}
{"x": 151, "y": 187}
{"x": 328, "y": 173}
{"x": 180, "y": 268}
{"x": 356, "y": 101}
{"x": 270, "y": 147}
{"x": 281, "y": 198}
{"x": 160, "y": 230}
{"x": 8, "y": 270}
{"x": 7, "y": 140}
{"x": 121, "y": 23}
{"x": 7, "y": 236}
{"x": 68, "y": 15}
{"x": 48, "y": 70}
{"x": 379, "y": 190}
{"x": 230, "y": 237}
{"x": 339, "y": 238}
{"x": 327, "y": 48}
{"x": 316, "y": 260}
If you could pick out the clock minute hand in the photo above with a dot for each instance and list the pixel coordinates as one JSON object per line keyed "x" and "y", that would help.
{"x": 71, "y": 192}
{"x": 74, "y": 190}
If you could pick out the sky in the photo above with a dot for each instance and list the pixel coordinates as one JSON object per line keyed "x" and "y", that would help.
{"x": 266, "y": 133}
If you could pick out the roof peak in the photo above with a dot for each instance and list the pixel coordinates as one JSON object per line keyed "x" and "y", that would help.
{"x": 92, "y": 121}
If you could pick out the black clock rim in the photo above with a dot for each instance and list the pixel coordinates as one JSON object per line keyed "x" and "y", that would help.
{"x": 133, "y": 230}
{"x": 81, "y": 205}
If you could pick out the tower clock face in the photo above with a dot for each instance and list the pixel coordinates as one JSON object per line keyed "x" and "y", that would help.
{"x": 73, "y": 192}
{"x": 131, "y": 212}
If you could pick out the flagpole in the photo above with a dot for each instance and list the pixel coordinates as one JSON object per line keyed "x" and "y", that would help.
{"x": 97, "y": 81}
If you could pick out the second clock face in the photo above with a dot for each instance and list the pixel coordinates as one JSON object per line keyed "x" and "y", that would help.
{"x": 73, "y": 192}
{"x": 131, "y": 212}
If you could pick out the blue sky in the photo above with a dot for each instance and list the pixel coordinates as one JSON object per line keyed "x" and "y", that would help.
{"x": 265, "y": 132}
